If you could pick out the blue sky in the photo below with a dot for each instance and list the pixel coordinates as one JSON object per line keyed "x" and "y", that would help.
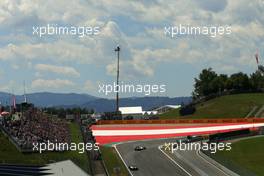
{"x": 73, "y": 64}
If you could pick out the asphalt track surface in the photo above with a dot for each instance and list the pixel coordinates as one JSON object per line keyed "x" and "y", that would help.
{"x": 155, "y": 162}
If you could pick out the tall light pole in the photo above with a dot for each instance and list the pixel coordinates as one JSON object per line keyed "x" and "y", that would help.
{"x": 117, "y": 79}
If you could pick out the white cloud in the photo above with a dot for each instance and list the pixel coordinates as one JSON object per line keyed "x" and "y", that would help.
{"x": 150, "y": 11}
{"x": 11, "y": 12}
{"x": 89, "y": 86}
{"x": 212, "y": 5}
{"x": 64, "y": 70}
{"x": 60, "y": 50}
{"x": 95, "y": 49}
{"x": 15, "y": 66}
{"x": 53, "y": 84}
{"x": 38, "y": 74}
{"x": 140, "y": 52}
{"x": 8, "y": 87}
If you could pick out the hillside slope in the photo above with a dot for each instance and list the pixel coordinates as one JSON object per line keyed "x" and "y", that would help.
{"x": 49, "y": 99}
{"x": 70, "y": 100}
{"x": 244, "y": 157}
{"x": 147, "y": 103}
{"x": 229, "y": 106}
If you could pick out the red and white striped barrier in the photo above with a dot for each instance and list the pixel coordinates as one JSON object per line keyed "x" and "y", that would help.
{"x": 109, "y": 134}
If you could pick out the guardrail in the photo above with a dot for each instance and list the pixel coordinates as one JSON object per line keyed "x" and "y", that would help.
{"x": 181, "y": 121}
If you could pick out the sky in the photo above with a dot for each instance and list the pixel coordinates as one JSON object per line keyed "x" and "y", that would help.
{"x": 64, "y": 63}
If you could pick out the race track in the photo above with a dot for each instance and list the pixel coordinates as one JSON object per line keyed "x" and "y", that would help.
{"x": 154, "y": 162}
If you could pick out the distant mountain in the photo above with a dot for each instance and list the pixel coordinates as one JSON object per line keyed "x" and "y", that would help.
{"x": 5, "y": 98}
{"x": 47, "y": 99}
{"x": 147, "y": 103}
{"x": 69, "y": 100}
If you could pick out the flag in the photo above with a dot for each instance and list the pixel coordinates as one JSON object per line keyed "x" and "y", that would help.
{"x": 257, "y": 57}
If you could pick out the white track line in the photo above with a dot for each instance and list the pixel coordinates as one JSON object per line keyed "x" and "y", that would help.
{"x": 198, "y": 154}
{"x": 147, "y": 140}
{"x": 174, "y": 161}
{"x": 123, "y": 160}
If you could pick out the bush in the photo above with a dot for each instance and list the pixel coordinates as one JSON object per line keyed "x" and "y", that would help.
{"x": 187, "y": 110}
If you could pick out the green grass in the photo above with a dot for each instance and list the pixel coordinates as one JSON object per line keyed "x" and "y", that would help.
{"x": 229, "y": 106}
{"x": 248, "y": 154}
{"x": 9, "y": 153}
{"x": 112, "y": 161}
{"x": 173, "y": 114}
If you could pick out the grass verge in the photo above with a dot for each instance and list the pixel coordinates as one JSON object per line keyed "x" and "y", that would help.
{"x": 114, "y": 164}
{"x": 248, "y": 154}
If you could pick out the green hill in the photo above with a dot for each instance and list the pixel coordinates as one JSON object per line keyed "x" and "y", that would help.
{"x": 229, "y": 106}
{"x": 246, "y": 155}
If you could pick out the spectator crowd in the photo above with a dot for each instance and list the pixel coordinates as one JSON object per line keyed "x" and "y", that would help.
{"x": 36, "y": 127}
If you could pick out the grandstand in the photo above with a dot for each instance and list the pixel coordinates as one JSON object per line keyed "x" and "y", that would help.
{"x": 34, "y": 127}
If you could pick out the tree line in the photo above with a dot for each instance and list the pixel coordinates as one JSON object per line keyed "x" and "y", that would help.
{"x": 210, "y": 83}
{"x": 62, "y": 112}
